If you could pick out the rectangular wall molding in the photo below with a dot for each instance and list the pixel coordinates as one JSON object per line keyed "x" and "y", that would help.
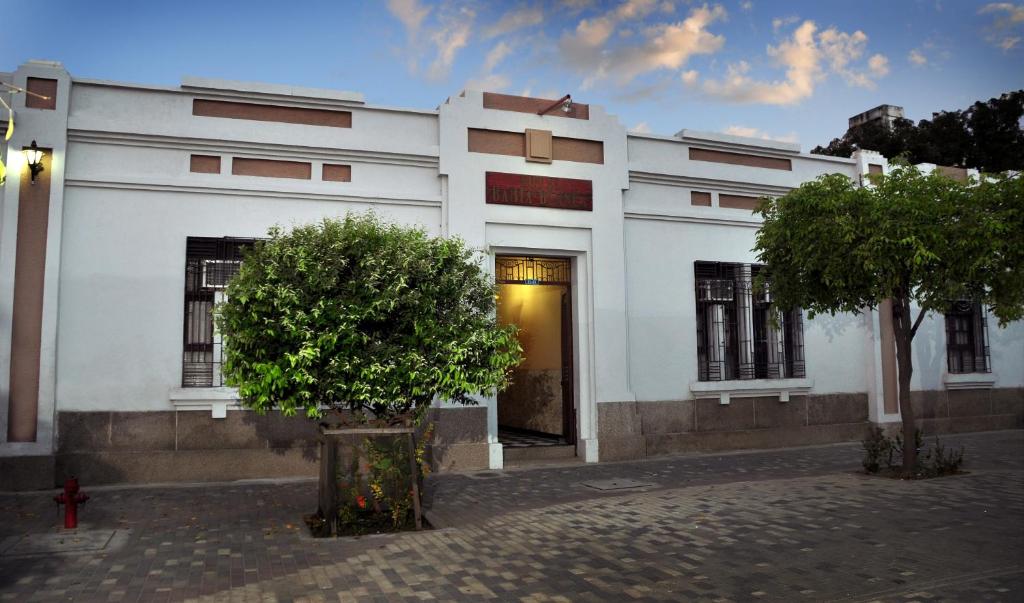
{"x": 278, "y": 113}
{"x": 700, "y": 198}
{"x": 738, "y": 201}
{"x": 760, "y": 161}
{"x": 336, "y": 173}
{"x": 43, "y": 87}
{"x": 27, "y": 319}
{"x": 271, "y": 168}
{"x": 204, "y": 164}
{"x": 497, "y": 142}
{"x": 528, "y": 104}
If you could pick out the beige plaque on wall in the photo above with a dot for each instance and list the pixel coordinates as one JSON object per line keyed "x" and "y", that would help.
{"x": 538, "y": 145}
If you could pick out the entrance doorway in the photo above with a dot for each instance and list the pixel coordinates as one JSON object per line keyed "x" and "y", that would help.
{"x": 537, "y": 409}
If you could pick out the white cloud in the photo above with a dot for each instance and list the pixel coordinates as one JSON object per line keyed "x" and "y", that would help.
{"x": 449, "y": 33}
{"x": 879, "y": 65}
{"x": 804, "y": 55}
{"x": 749, "y": 132}
{"x": 661, "y": 46}
{"x": 641, "y": 128}
{"x": 689, "y": 77}
{"x": 747, "y": 5}
{"x": 496, "y": 55}
{"x": 800, "y": 56}
{"x": 1007, "y": 17}
{"x": 842, "y": 49}
{"x": 780, "y": 22}
{"x": 1007, "y": 14}
{"x": 513, "y": 20}
{"x": 451, "y": 37}
{"x": 411, "y": 13}
{"x": 917, "y": 58}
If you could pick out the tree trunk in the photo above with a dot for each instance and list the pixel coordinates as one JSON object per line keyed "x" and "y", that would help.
{"x": 904, "y": 335}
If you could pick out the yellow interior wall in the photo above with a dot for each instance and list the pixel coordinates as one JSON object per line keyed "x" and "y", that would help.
{"x": 537, "y": 311}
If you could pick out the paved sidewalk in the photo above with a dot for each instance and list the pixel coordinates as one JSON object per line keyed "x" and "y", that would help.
{"x": 785, "y": 525}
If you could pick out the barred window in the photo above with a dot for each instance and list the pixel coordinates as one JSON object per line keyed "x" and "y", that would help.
{"x": 209, "y": 265}
{"x": 967, "y": 338}
{"x": 735, "y": 335}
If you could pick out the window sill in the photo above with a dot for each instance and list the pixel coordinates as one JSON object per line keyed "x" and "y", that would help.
{"x": 217, "y": 400}
{"x": 969, "y": 380}
{"x": 750, "y": 388}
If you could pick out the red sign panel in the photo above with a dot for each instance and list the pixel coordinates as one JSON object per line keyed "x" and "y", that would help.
{"x": 539, "y": 191}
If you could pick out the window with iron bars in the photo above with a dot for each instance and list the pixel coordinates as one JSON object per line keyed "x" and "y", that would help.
{"x": 967, "y": 338}
{"x": 209, "y": 265}
{"x": 735, "y": 335}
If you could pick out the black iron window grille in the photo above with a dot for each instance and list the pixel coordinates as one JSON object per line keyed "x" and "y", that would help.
{"x": 735, "y": 335}
{"x": 209, "y": 265}
{"x": 967, "y": 338}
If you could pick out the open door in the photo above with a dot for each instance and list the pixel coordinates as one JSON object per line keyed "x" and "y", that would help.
{"x": 538, "y": 407}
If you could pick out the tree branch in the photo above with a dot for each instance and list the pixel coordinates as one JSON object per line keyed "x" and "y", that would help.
{"x": 917, "y": 323}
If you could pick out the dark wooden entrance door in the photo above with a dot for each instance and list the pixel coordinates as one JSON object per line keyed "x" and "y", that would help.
{"x": 568, "y": 405}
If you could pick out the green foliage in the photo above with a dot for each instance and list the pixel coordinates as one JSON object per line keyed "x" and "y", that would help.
{"x": 940, "y": 461}
{"x": 831, "y": 246}
{"x": 876, "y": 448}
{"x": 986, "y": 135}
{"x": 936, "y": 461}
{"x": 375, "y": 492}
{"x": 360, "y": 315}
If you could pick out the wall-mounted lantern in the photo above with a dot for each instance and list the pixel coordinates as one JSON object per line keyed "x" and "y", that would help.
{"x": 34, "y": 158}
{"x": 565, "y": 103}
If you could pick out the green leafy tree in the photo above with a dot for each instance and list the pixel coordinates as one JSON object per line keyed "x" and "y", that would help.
{"x": 987, "y": 135}
{"x": 360, "y": 315}
{"x": 922, "y": 241}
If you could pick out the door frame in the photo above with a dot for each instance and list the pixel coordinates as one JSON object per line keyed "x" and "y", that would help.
{"x": 568, "y": 336}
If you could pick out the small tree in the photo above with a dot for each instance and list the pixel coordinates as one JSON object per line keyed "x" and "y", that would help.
{"x": 363, "y": 316}
{"x": 831, "y": 246}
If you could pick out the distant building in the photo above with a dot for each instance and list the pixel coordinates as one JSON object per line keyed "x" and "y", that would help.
{"x": 882, "y": 114}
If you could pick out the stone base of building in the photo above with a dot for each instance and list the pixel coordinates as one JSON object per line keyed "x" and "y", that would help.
{"x": 19, "y": 473}
{"x": 460, "y": 438}
{"x": 960, "y": 411}
{"x": 635, "y": 430}
{"x": 191, "y": 446}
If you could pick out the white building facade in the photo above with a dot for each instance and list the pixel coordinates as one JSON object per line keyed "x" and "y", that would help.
{"x": 625, "y": 258}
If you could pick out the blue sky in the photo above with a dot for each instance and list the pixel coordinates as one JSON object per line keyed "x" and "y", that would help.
{"x": 793, "y": 70}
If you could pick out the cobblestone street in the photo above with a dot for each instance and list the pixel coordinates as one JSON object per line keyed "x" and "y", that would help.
{"x": 788, "y": 525}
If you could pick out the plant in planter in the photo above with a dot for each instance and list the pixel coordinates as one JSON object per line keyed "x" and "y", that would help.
{"x": 365, "y": 322}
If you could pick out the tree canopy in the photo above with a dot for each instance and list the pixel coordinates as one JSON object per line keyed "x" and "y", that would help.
{"x": 832, "y": 246}
{"x": 362, "y": 315}
{"x": 986, "y": 135}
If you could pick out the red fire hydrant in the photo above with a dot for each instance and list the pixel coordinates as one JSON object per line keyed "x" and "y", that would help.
{"x": 71, "y": 499}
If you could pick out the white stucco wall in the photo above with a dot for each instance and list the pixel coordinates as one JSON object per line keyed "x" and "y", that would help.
{"x": 662, "y": 311}
{"x": 131, "y": 203}
{"x": 122, "y": 275}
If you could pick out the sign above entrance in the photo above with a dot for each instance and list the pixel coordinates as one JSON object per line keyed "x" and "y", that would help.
{"x": 539, "y": 191}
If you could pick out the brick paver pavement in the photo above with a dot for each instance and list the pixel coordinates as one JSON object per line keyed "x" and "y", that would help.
{"x": 793, "y": 525}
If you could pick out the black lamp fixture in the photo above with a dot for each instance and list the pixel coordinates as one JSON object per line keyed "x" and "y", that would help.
{"x": 34, "y": 158}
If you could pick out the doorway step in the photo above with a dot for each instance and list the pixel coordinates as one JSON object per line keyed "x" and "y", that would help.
{"x": 531, "y": 454}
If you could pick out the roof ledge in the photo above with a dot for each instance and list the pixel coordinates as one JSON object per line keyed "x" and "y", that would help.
{"x": 278, "y": 90}
{"x": 744, "y": 141}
